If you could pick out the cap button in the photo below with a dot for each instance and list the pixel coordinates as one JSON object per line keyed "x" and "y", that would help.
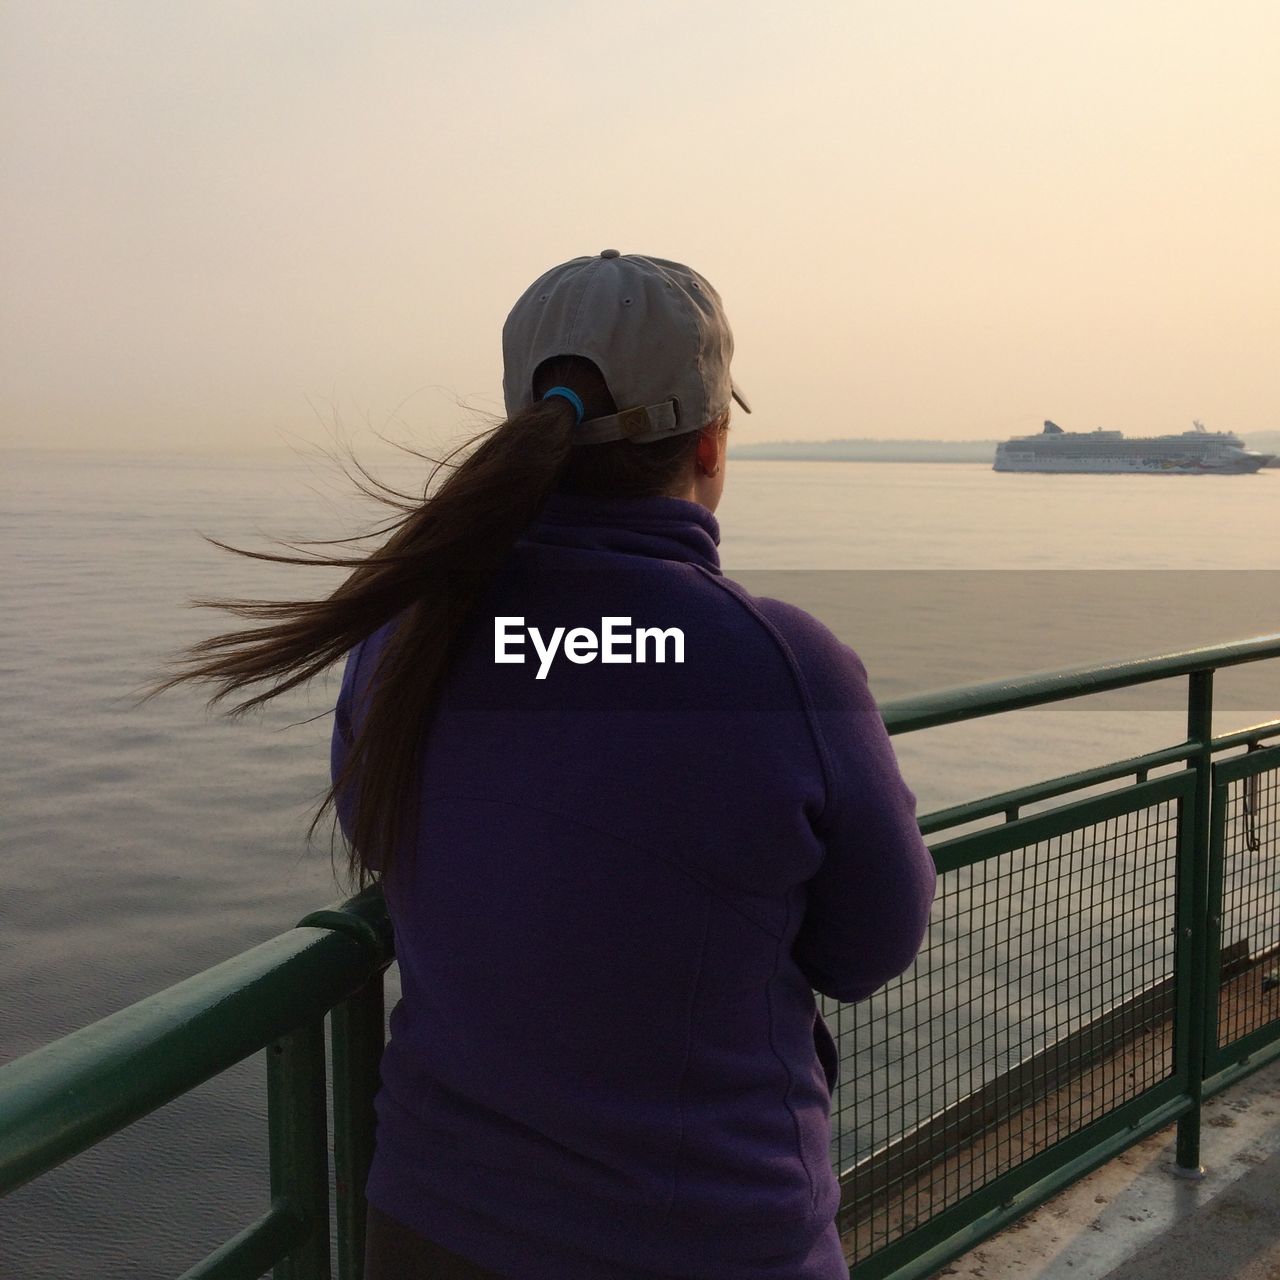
{"x": 609, "y": 253}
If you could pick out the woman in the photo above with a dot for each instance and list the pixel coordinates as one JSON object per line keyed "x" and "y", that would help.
{"x": 627, "y": 817}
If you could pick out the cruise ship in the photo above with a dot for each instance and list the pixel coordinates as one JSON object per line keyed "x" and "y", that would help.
{"x": 1192, "y": 453}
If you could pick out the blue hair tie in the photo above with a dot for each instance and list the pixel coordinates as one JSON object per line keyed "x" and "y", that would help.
{"x": 572, "y": 397}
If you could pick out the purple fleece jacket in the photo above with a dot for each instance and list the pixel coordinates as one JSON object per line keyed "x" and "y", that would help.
{"x": 608, "y": 1061}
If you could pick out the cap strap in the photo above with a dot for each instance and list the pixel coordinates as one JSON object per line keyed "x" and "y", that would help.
{"x": 572, "y": 397}
{"x": 641, "y": 425}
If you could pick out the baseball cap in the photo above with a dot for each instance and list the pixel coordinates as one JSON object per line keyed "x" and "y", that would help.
{"x": 655, "y": 329}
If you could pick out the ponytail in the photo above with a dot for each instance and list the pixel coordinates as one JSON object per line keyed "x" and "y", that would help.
{"x": 442, "y": 554}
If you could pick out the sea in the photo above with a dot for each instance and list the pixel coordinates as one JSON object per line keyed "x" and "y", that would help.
{"x": 146, "y": 841}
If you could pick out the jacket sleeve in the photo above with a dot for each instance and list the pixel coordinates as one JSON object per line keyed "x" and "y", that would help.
{"x": 868, "y": 904}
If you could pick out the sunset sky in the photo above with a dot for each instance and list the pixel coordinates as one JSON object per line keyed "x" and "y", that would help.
{"x": 231, "y": 225}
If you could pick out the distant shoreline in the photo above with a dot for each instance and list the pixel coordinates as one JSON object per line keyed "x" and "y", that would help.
{"x": 745, "y": 456}
{"x": 860, "y": 450}
{"x": 869, "y": 450}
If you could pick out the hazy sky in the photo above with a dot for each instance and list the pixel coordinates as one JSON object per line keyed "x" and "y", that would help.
{"x": 224, "y": 224}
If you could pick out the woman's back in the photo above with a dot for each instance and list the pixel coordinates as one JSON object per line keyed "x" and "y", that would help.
{"x": 608, "y": 1047}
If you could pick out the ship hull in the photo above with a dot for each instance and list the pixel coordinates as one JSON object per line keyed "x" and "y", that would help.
{"x": 1147, "y": 466}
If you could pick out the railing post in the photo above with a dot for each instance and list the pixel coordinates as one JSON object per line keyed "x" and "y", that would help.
{"x": 296, "y": 1117}
{"x": 357, "y": 1038}
{"x": 1193, "y": 919}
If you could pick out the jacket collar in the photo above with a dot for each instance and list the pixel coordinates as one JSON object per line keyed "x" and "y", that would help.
{"x": 664, "y": 528}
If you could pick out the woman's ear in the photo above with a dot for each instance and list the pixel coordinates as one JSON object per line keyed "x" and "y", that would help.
{"x": 708, "y": 454}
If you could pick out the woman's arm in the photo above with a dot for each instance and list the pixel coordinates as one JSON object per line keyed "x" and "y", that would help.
{"x": 868, "y": 903}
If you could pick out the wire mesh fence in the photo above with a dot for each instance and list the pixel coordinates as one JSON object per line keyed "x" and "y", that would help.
{"x": 1043, "y": 999}
{"x": 1249, "y": 993}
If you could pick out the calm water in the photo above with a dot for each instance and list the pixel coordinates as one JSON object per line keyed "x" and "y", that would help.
{"x": 145, "y": 843}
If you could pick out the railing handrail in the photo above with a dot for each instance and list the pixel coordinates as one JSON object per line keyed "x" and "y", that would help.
{"x": 992, "y": 697}
{"x": 61, "y": 1099}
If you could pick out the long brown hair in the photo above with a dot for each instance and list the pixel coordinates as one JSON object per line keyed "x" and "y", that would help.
{"x": 443, "y": 551}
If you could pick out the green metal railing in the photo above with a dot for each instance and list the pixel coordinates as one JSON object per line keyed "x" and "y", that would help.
{"x": 64, "y": 1098}
{"x": 1094, "y": 969}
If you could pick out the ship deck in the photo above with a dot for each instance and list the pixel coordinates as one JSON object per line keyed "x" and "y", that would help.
{"x": 1133, "y": 1219}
